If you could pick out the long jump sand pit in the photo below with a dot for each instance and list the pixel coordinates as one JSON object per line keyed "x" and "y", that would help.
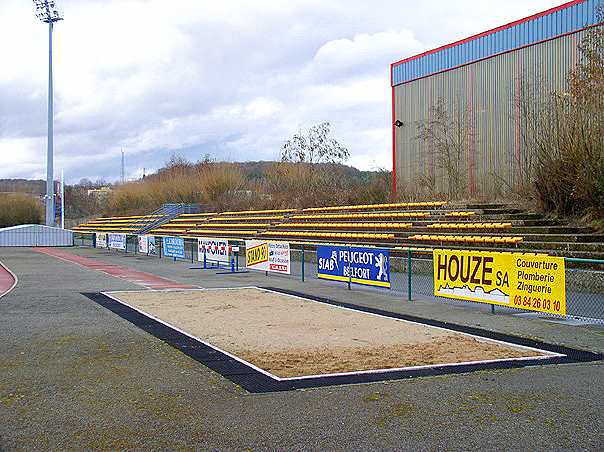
{"x": 289, "y": 336}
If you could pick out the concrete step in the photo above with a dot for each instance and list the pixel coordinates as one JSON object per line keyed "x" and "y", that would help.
{"x": 512, "y": 232}
{"x": 515, "y": 230}
{"x": 582, "y": 254}
{"x": 486, "y": 206}
{"x": 563, "y": 246}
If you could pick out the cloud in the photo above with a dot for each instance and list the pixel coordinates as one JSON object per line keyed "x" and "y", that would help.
{"x": 364, "y": 53}
{"x": 232, "y": 78}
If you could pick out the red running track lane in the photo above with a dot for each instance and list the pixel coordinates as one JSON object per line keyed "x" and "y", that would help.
{"x": 146, "y": 280}
{"x": 7, "y": 281}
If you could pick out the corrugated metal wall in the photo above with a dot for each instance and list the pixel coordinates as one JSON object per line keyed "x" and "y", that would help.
{"x": 487, "y": 90}
{"x": 35, "y": 235}
{"x": 567, "y": 20}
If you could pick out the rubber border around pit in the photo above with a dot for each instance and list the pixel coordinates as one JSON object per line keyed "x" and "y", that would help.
{"x": 257, "y": 382}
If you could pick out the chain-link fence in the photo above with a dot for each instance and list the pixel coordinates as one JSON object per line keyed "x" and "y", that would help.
{"x": 411, "y": 275}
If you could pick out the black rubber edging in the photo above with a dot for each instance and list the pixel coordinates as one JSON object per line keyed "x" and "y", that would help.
{"x": 256, "y": 382}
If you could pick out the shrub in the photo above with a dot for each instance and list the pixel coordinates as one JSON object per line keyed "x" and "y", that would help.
{"x": 565, "y": 137}
{"x": 20, "y": 208}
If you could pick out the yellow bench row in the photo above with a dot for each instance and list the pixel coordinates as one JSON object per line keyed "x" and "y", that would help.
{"x": 245, "y": 212}
{"x": 329, "y": 235}
{"x": 78, "y": 229}
{"x": 254, "y": 218}
{"x": 116, "y": 222}
{"x": 94, "y": 226}
{"x": 167, "y": 230}
{"x": 334, "y": 216}
{"x": 470, "y": 225}
{"x": 221, "y": 231}
{"x": 131, "y": 217}
{"x": 460, "y": 214}
{"x": 207, "y": 214}
{"x": 467, "y": 239}
{"x": 346, "y": 225}
{"x": 379, "y": 206}
{"x": 215, "y": 225}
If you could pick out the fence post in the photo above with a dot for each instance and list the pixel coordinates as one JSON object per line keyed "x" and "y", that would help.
{"x": 161, "y": 245}
{"x": 349, "y": 273}
{"x": 408, "y": 274}
{"x": 192, "y": 250}
{"x": 303, "y": 262}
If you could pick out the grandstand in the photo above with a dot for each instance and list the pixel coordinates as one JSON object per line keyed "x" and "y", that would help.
{"x": 429, "y": 224}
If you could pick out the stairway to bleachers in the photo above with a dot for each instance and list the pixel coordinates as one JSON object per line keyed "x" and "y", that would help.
{"x": 423, "y": 225}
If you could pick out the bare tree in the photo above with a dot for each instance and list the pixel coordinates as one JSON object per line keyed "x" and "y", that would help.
{"x": 314, "y": 146}
{"x": 447, "y": 135}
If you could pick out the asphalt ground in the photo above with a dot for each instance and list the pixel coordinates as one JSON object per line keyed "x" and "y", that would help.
{"x": 73, "y": 375}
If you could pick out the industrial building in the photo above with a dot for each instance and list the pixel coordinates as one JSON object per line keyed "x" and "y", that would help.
{"x": 482, "y": 78}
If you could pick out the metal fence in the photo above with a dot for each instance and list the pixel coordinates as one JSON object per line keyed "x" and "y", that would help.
{"x": 411, "y": 276}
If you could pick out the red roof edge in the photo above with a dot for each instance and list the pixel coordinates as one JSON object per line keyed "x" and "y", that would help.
{"x": 493, "y": 30}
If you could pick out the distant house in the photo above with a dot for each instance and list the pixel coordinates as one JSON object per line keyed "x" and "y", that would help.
{"x": 99, "y": 193}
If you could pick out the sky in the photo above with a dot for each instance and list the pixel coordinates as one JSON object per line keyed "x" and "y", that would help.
{"x": 233, "y": 79}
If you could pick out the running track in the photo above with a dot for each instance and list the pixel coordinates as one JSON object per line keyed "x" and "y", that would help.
{"x": 7, "y": 281}
{"x": 146, "y": 280}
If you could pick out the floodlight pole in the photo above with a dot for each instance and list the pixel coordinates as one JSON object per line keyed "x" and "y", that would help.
{"x": 46, "y": 11}
{"x": 50, "y": 198}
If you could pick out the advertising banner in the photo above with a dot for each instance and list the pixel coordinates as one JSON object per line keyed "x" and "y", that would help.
{"x": 117, "y": 241}
{"x": 174, "y": 247}
{"x": 536, "y": 283}
{"x": 267, "y": 256}
{"x": 101, "y": 240}
{"x": 215, "y": 250}
{"x": 367, "y": 266}
{"x": 146, "y": 244}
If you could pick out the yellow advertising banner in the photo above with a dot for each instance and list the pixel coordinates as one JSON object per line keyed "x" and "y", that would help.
{"x": 256, "y": 254}
{"x": 516, "y": 280}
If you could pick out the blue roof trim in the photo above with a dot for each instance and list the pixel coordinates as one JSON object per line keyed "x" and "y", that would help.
{"x": 563, "y": 21}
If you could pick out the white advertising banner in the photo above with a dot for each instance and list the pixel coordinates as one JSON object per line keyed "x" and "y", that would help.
{"x": 267, "y": 256}
{"x": 117, "y": 241}
{"x": 146, "y": 244}
{"x": 101, "y": 240}
{"x": 215, "y": 250}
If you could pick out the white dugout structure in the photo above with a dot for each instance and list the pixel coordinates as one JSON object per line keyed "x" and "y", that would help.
{"x": 35, "y": 235}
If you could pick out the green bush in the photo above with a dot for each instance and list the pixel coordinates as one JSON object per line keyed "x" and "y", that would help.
{"x": 20, "y": 208}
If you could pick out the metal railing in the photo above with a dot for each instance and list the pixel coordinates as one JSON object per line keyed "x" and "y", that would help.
{"x": 411, "y": 275}
{"x": 164, "y": 214}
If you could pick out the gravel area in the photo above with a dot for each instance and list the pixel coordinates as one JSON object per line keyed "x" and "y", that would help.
{"x": 75, "y": 376}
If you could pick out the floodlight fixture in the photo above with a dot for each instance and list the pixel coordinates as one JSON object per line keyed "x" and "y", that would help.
{"x": 46, "y": 11}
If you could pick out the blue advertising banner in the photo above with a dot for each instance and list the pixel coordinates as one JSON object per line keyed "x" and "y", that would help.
{"x": 368, "y": 266}
{"x": 117, "y": 241}
{"x": 174, "y": 247}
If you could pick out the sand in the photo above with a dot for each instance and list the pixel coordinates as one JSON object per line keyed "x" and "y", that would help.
{"x": 289, "y": 336}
